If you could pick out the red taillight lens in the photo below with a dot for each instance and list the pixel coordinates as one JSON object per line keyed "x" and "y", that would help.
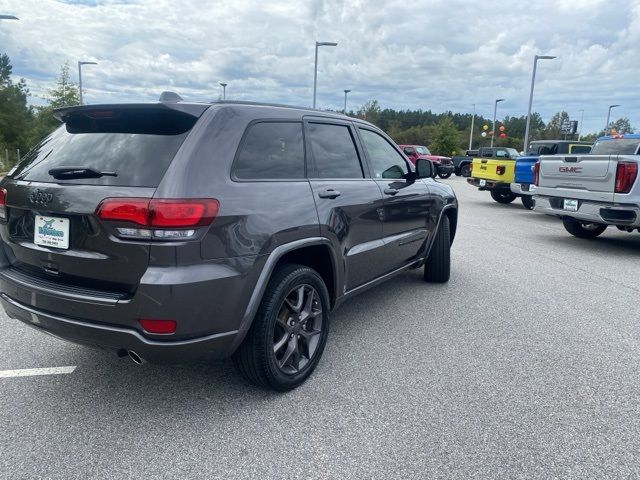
{"x": 500, "y": 169}
{"x": 134, "y": 210}
{"x": 162, "y": 213}
{"x": 536, "y": 173}
{"x": 626, "y": 174}
{"x": 182, "y": 213}
{"x": 158, "y": 326}
{"x": 3, "y": 204}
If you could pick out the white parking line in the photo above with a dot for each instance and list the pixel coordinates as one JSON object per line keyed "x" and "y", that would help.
{"x": 29, "y": 372}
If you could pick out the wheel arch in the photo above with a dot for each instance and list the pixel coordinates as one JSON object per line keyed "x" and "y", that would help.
{"x": 315, "y": 252}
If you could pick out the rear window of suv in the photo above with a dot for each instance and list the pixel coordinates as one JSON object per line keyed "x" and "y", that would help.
{"x": 137, "y": 145}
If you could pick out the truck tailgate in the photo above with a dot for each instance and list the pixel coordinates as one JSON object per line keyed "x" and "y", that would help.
{"x": 488, "y": 169}
{"x": 582, "y": 177}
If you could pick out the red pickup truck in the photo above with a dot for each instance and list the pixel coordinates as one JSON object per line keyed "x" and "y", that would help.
{"x": 444, "y": 165}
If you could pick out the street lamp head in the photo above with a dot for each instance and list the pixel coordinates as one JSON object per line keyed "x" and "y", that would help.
{"x": 222, "y": 84}
{"x": 87, "y": 63}
{"x": 545, "y": 57}
{"x": 613, "y": 106}
{"x": 347, "y": 91}
{"x": 8, "y": 17}
{"x": 500, "y": 100}
{"x": 326, "y": 44}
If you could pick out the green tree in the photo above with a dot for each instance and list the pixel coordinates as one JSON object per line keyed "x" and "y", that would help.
{"x": 622, "y": 125}
{"x": 64, "y": 94}
{"x": 15, "y": 115}
{"x": 370, "y": 111}
{"x": 553, "y": 129}
{"x": 446, "y": 138}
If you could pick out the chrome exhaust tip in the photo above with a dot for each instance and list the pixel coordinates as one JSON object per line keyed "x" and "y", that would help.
{"x": 137, "y": 359}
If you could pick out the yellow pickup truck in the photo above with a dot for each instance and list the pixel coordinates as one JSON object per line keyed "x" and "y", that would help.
{"x": 494, "y": 170}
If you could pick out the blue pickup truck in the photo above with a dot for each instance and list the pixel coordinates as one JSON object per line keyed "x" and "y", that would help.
{"x": 523, "y": 179}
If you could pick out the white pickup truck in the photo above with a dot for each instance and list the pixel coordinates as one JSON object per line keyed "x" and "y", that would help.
{"x": 592, "y": 191}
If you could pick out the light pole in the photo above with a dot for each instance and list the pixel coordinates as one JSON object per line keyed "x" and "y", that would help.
{"x": 581, "y": 118}
{"x": 344, "y": 110}
{"x": 224, "y": 90}
{"x": 315, "y": 70}
{"x": 472, "y": 120}
{"x": 495, "y": 110}
{"x": 533, "y": 81}
{"x": 8, "y": 17}
{"x": 606, "y": 128}
{"x": 80, "y": 77}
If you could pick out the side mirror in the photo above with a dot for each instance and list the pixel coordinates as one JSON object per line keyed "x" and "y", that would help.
{"x": 425, "y": 169}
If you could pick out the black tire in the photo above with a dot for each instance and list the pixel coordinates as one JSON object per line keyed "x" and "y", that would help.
{"x": 437, "y": 268}
{"x": 465, "y": 170}
{"x": 503, "y": 196}
{"x": 257, "y": 357}
{"x": 582, "y": 229}
{"x": 444, "y": 175}
{"x": 528, "y": 201}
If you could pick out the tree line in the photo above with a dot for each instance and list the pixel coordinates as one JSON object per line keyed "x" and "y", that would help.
{"x": 22, "y": 125}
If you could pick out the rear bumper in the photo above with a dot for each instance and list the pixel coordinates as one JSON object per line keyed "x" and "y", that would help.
{"x": 606, "y": 213}
{"x": 523, "y": 188}
{"x": 120, "y": 339}
{"x": 488, "y": 184}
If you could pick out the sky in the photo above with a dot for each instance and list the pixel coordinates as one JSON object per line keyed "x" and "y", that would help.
{"x": 431, "y": 54}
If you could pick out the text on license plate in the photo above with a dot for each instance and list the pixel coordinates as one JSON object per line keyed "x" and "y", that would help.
{"x": 571, "y": 205}
{"x": 51, "y": 231}
{"x": 483, "y": 183}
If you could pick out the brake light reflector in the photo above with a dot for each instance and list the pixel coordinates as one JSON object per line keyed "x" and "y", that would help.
{"x": 3, "y": 204}
{"x": 124, "y": 210}
{"x": 536, "y": 173}
{"x": 500, "y": 169}
{"x": 626, "y": 174}
{"x": 163, "y": 327}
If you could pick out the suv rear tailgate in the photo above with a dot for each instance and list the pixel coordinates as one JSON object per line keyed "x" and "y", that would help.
{"x": 590, "y": 177}
{"x": 488, "y": 169}
{"x": 133, "y": 145}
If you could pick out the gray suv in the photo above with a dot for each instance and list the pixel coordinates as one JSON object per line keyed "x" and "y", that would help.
{"x": 173, "y": 230}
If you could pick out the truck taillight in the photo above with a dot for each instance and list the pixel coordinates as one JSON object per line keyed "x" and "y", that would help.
{"x": 626, "y": 174}
{"x": 536, "y": 173}
{"x": 500, "y": 169}
{"x": 165, "y": 219}
{"x": 3, "y": 204}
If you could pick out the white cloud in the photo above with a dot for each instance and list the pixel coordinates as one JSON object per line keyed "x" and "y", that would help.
{"x": 438, "y": 54}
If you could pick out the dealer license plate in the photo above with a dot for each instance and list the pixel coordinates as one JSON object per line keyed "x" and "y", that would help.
{"x": 51, "y": 232}
{"x": 571, "y": 205}
{"x": 483, "y": 183}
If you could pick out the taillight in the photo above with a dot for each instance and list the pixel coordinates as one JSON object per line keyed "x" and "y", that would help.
{"x": 3, "y": 204}
{"x": 626, "y": 174}
{"x": 536, "y": 173}
{"x": 162, "y": 327}
{"x": 500, "y": 169}
{"x": 167, "y": 219}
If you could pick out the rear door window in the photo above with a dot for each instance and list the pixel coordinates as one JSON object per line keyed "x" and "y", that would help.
{"x": 271, "y": 151}
{"x": 334, "y": 151}
{"x": 137, "y": 146}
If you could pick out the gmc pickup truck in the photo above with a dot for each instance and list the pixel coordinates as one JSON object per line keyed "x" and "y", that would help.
{"x": 494, "y": 171}
{"x": 591, "y": 192}
{"x": 523, "y": 179}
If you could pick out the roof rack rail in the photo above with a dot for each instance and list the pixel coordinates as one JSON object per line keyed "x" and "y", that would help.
{"x": 170, "y": 97}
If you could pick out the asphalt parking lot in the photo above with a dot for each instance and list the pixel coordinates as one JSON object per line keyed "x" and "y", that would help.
{"x": 526, "y": 365}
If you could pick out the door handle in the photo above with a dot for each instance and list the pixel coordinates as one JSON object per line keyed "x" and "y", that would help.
{"x": 329, "y": 193}
{"x": 390, "y": 191}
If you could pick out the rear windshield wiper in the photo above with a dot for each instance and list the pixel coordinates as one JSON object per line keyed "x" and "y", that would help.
{"x": 62, "y": 173}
